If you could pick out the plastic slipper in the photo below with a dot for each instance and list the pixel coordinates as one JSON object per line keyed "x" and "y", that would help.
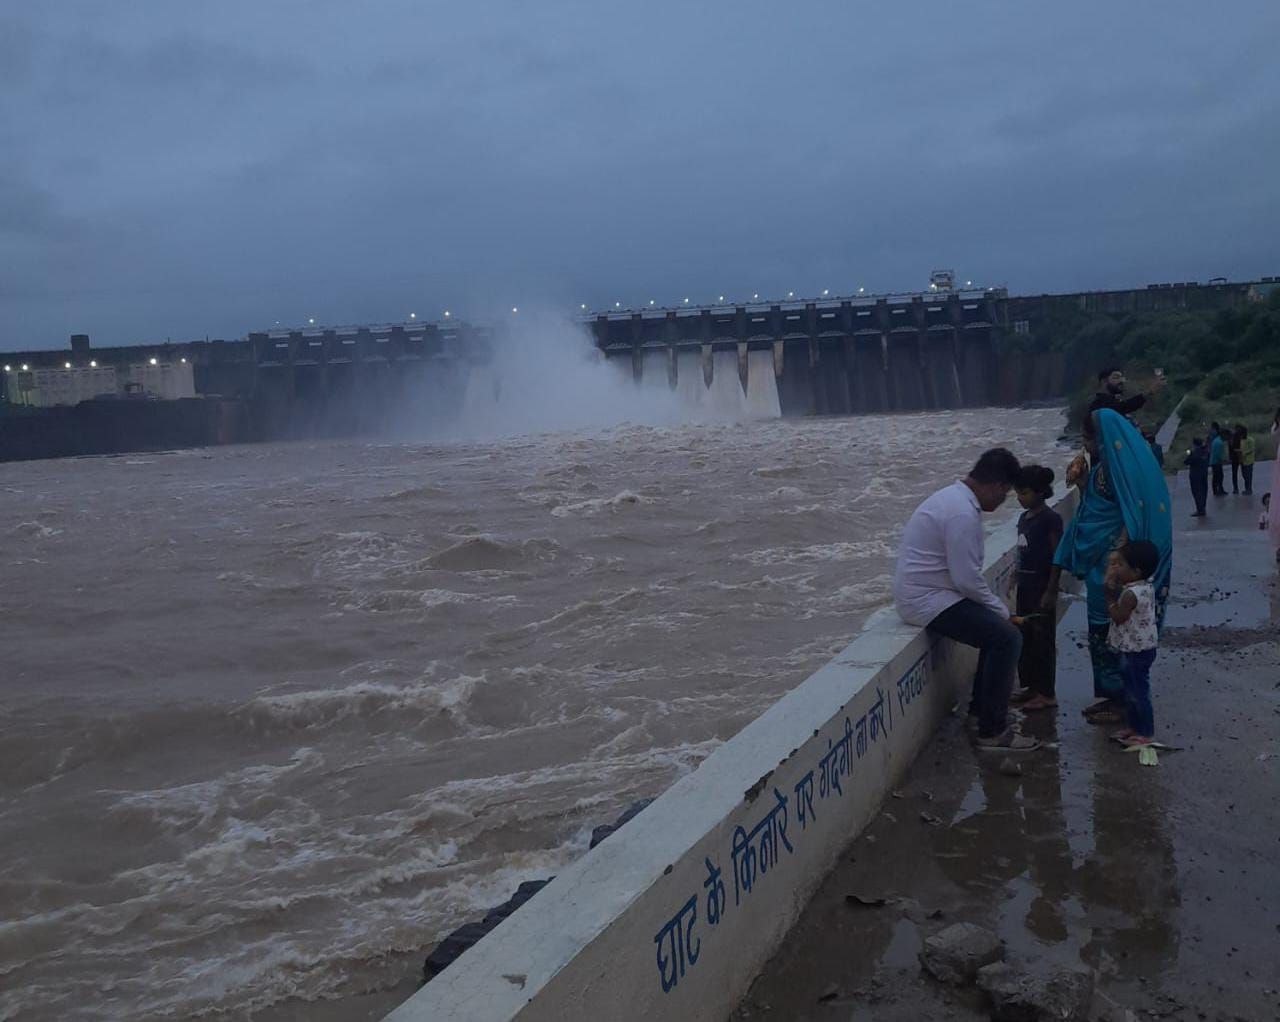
{"x": 1147, "y": 756}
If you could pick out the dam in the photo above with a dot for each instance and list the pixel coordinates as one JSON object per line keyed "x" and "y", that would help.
{"x": 846, "y": 356}
{"x": 948, "y": 346}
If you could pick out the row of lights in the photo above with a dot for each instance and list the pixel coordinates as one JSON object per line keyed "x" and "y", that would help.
{"x": 311, "y": 320}
{"x": 755, "y": 297}
{"x": 93, "y": 364}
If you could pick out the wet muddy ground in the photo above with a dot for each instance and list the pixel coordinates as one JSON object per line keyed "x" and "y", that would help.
{"x": 1163, "y": 880}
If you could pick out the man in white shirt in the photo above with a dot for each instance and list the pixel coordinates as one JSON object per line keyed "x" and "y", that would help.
{"x": 939, "y": 585}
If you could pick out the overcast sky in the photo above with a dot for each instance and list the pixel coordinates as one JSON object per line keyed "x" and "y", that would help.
{"x": 180, "y": 169}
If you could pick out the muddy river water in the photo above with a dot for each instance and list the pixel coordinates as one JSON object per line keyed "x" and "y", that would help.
{"x": 273, "y": 717}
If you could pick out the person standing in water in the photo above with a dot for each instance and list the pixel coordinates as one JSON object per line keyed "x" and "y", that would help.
{"x": 1039, "y": 531}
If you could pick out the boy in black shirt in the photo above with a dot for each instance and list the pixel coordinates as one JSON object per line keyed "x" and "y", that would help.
{"x": 1039, "y": 530}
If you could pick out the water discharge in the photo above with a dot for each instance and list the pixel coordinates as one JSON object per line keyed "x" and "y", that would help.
{"x": 726, "y": 400}
{"x": 269, "y": 732}
{"x": 762, "y": 386}
{"x": 691, "y": 386}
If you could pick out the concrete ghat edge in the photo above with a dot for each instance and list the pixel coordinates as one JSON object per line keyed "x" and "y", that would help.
{"x": 626, "y": 932}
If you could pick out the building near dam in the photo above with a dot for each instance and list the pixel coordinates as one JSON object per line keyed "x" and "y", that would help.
{"x": 82, "y": 377}
{"x": 949, "y": 345}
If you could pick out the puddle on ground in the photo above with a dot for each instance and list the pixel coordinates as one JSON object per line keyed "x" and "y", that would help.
{"x": 903, "y": 951}
{"x": 1240, "y": 608}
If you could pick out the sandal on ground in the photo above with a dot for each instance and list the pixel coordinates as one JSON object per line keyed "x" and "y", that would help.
{"x": 1009, "y": 741}
{"x": 1122, "y": 734}
{"x": 1021, "y": 695}
{"x": 1039, "y": 702}
{"x": 1097, "y": 706}
{"x": 1138, "y": 740}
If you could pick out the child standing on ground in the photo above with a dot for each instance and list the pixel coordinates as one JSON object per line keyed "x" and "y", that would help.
{"x": 1132, "y": 609}
{"x": 1039, "y": 530}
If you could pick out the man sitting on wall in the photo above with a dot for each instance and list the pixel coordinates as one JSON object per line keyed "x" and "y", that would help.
{"x": 939, "y": 584}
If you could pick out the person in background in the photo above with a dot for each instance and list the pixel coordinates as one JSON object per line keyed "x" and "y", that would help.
{"x": 1273, "y": 529}
{"x": 1197, "y": 462}
{"x": 1124, "y": 497}
{"x": 1110, "y": 394}
{"x": 1131, "y": 606}
{"x": 938, "y": 584}
{"x": 1248, "y": 454}
{"x": 1039, "y": 532}
{"x": 1217, "y": 458}
{"x": 1265, "y": 520}
{"x": 1156, "y": 449}
{"x": 1233, "y": 454}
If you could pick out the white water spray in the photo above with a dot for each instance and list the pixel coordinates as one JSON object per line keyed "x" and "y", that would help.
{"x": 762, "y": 386}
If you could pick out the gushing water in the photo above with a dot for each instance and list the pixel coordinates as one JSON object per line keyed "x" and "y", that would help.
{"x": 269, "y": 732}
{"x": 727, "y": 402}
{"x": 762, "y": 386}
{"x": 691, "y": 387}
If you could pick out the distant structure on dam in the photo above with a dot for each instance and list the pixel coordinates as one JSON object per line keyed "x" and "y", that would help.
{"x": 866, "y": 353}
{"x": 294, "y": 383}
{"x": 950, "y": 345}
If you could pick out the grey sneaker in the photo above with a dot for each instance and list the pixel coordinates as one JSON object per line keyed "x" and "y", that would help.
{"x": 1009, "y": 741}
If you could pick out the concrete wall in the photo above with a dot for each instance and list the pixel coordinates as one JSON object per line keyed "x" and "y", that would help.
{"x": 674, "y": 916}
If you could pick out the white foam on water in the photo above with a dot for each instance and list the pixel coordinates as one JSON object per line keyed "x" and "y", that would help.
{"x": 323, "y": 707}
{"x": 34, "y": 530}
{"x": 817, "y": 552}
{"x": 618, "y": 502}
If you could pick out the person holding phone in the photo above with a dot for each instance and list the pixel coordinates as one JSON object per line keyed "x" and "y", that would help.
{"x": 1110, "y": 393}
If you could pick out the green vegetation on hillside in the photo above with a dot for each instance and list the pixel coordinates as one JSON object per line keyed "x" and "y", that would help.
{"x": 1226, "y": 363}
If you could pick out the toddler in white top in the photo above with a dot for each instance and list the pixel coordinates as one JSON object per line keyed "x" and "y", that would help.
{"x": 1133, "y": 633}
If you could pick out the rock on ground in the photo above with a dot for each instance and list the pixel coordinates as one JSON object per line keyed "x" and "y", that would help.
{"x": 955, "y": 955}
{"x": 1056, "y": 995}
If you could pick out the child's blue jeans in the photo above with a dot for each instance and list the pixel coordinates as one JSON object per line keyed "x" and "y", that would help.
{"x": 1136, "y": 668}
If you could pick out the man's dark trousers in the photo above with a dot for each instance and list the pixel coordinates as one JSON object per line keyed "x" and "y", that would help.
{"x": 999, "y": 644}
{"x": 1199, "y": 489}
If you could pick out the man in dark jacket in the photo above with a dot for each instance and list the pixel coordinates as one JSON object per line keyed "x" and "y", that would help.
{"x": 1110, "y": 394}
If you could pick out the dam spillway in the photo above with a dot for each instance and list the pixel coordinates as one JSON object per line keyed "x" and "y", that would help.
{"x": 838, "y": 356}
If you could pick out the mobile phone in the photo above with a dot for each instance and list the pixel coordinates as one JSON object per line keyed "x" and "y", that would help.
{"x": 1160, "y": 373}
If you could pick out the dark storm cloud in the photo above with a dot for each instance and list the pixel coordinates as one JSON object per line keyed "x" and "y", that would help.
{"x": 172, "y": 170}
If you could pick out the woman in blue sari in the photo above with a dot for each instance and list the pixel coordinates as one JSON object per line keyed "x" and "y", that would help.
{"x": 1124, "y": 497}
